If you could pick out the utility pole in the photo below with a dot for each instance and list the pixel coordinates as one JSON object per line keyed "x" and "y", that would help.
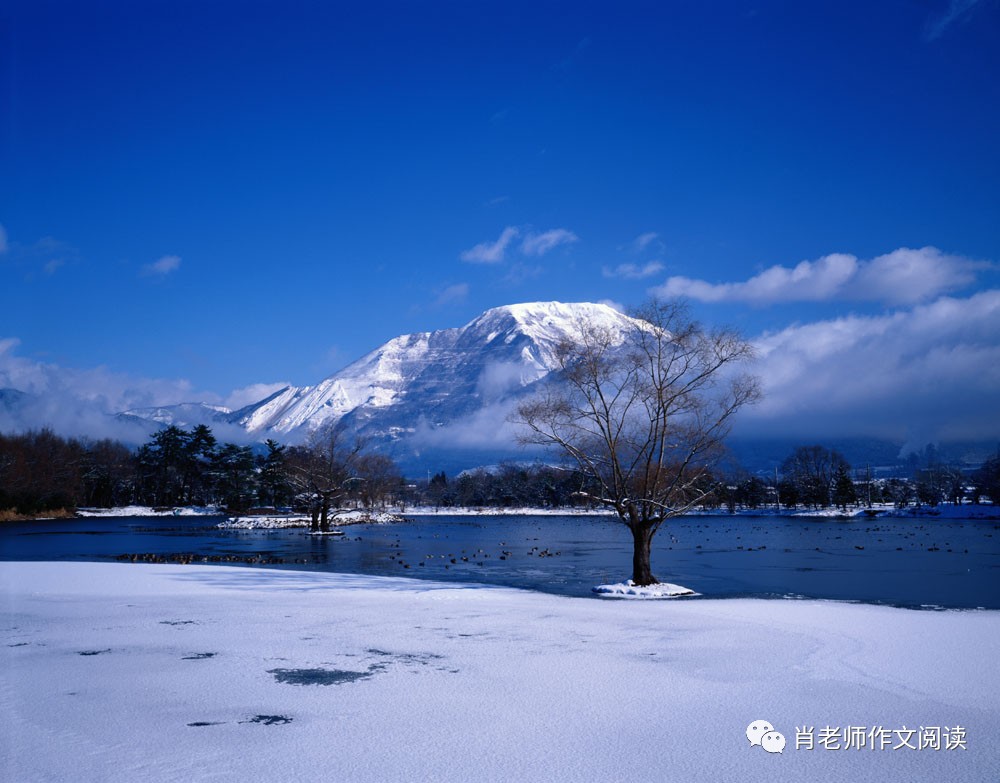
{"x": 868, "y": 484}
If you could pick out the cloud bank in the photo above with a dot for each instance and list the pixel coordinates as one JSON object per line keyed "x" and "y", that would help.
{"x": 925, "y": 374}
{"x": 902, "y": 277}
{"x": 82, "y": 402}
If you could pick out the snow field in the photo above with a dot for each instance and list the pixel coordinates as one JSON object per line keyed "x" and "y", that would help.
{"x": 163, "y": 673}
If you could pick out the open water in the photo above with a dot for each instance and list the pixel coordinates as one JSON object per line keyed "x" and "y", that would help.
{"x": 914, "y": 563}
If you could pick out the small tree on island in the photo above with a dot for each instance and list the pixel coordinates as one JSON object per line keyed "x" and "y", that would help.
{"x": 323, "y": 470}
{"x": 642, "y": 409}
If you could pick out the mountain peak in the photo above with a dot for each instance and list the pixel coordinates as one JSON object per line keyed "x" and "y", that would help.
{"x": 416, "y": 389}
{"x": 527, "y": 313}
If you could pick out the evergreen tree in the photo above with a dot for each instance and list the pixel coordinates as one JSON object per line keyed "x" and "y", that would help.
{"x": 273, "y": 487}
{"x": 844, "y": 492}
{"x": 235, "y": 478}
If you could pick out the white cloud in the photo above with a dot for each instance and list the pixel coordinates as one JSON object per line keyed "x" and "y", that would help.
{"x": 163, "y": 267}
{"x": 633, "y": 271}
{"x": 642, "y": 243}
{"x": 957, "y": 11}
{"x": 533, "y": 244}
{"x": 490, "y": 252}
{"x": 540, "y": 244}
{"x": 904, "y": 276}
{"x": 453, "y": 293}
{"x": 3, "y": 240}
{"x": 488, "y": 428}
{"x": 908, "y": 276}
{"x": 930, "y": 372}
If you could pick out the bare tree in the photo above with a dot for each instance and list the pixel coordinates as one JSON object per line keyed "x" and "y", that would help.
{"x": 642, "y": 410}
{"x": 323, "y": 470}
{"x": 814, "y": 471}
{"x": 378, "y": 479}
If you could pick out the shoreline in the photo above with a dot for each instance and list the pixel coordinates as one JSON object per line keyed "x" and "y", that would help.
{"x": 974, "y": 512}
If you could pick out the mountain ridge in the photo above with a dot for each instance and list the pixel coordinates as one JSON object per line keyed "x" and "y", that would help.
{"x": 415, "y": 386}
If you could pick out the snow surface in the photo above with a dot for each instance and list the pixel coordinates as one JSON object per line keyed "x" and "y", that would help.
{"x": 941, "y": 511}
{"x": 180, "y": 673}
{"x": 488, "y": 511}
{"x": 265, "y": 522}
{"x": 149, "y": 511}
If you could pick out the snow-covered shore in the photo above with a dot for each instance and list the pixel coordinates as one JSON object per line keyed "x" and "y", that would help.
{"x": 178, "y": 673}
{"x": 942, "y": 511}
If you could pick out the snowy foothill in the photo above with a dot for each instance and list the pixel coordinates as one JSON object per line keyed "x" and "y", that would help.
{"x": 178, "y": 673}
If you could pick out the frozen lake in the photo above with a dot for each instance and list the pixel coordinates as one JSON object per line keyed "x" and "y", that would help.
{"x": 902, "y": 562}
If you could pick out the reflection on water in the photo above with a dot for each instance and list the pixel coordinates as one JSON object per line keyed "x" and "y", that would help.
{"x": 897, "y": 561}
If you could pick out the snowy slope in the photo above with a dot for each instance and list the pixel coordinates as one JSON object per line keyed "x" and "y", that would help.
{"x": 420, "y": 382}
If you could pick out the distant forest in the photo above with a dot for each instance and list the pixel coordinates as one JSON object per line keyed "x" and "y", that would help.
{"x": 42, "y": 473}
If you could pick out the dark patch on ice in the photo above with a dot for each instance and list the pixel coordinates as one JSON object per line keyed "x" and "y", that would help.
{"x": 198, "y": 656}
{"x": 321, "y": 676}
{"x": 269, "y": 720}
{"x": 206, "y": 723}
{"x": 423, "y": 658}
{"x": 178, "y": 622}
{"x": 94, "y": 652}
{"x": 19, "y": 644}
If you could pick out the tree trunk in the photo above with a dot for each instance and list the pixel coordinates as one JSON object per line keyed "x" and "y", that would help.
{"x": 324, "y": 520}
{"x": 314, "y": 519}
{"x": 642, "y": 539}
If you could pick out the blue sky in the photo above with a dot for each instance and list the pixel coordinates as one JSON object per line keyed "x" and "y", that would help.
{"x": 199, "y": 200}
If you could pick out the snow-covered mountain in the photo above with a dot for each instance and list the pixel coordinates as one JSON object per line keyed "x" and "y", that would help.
{"x": 452, "y": 387}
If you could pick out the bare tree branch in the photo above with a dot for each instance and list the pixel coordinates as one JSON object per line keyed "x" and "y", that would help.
{"x": 643, "y": 411}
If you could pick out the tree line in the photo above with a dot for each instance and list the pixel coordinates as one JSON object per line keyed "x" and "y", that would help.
{"x": 41, "y": 472}
{"x": 818, "y": 477}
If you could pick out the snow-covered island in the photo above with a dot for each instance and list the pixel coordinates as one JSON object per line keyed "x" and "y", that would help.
{"x": 277, "y": 521}
{"x": 171, "y": 673}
